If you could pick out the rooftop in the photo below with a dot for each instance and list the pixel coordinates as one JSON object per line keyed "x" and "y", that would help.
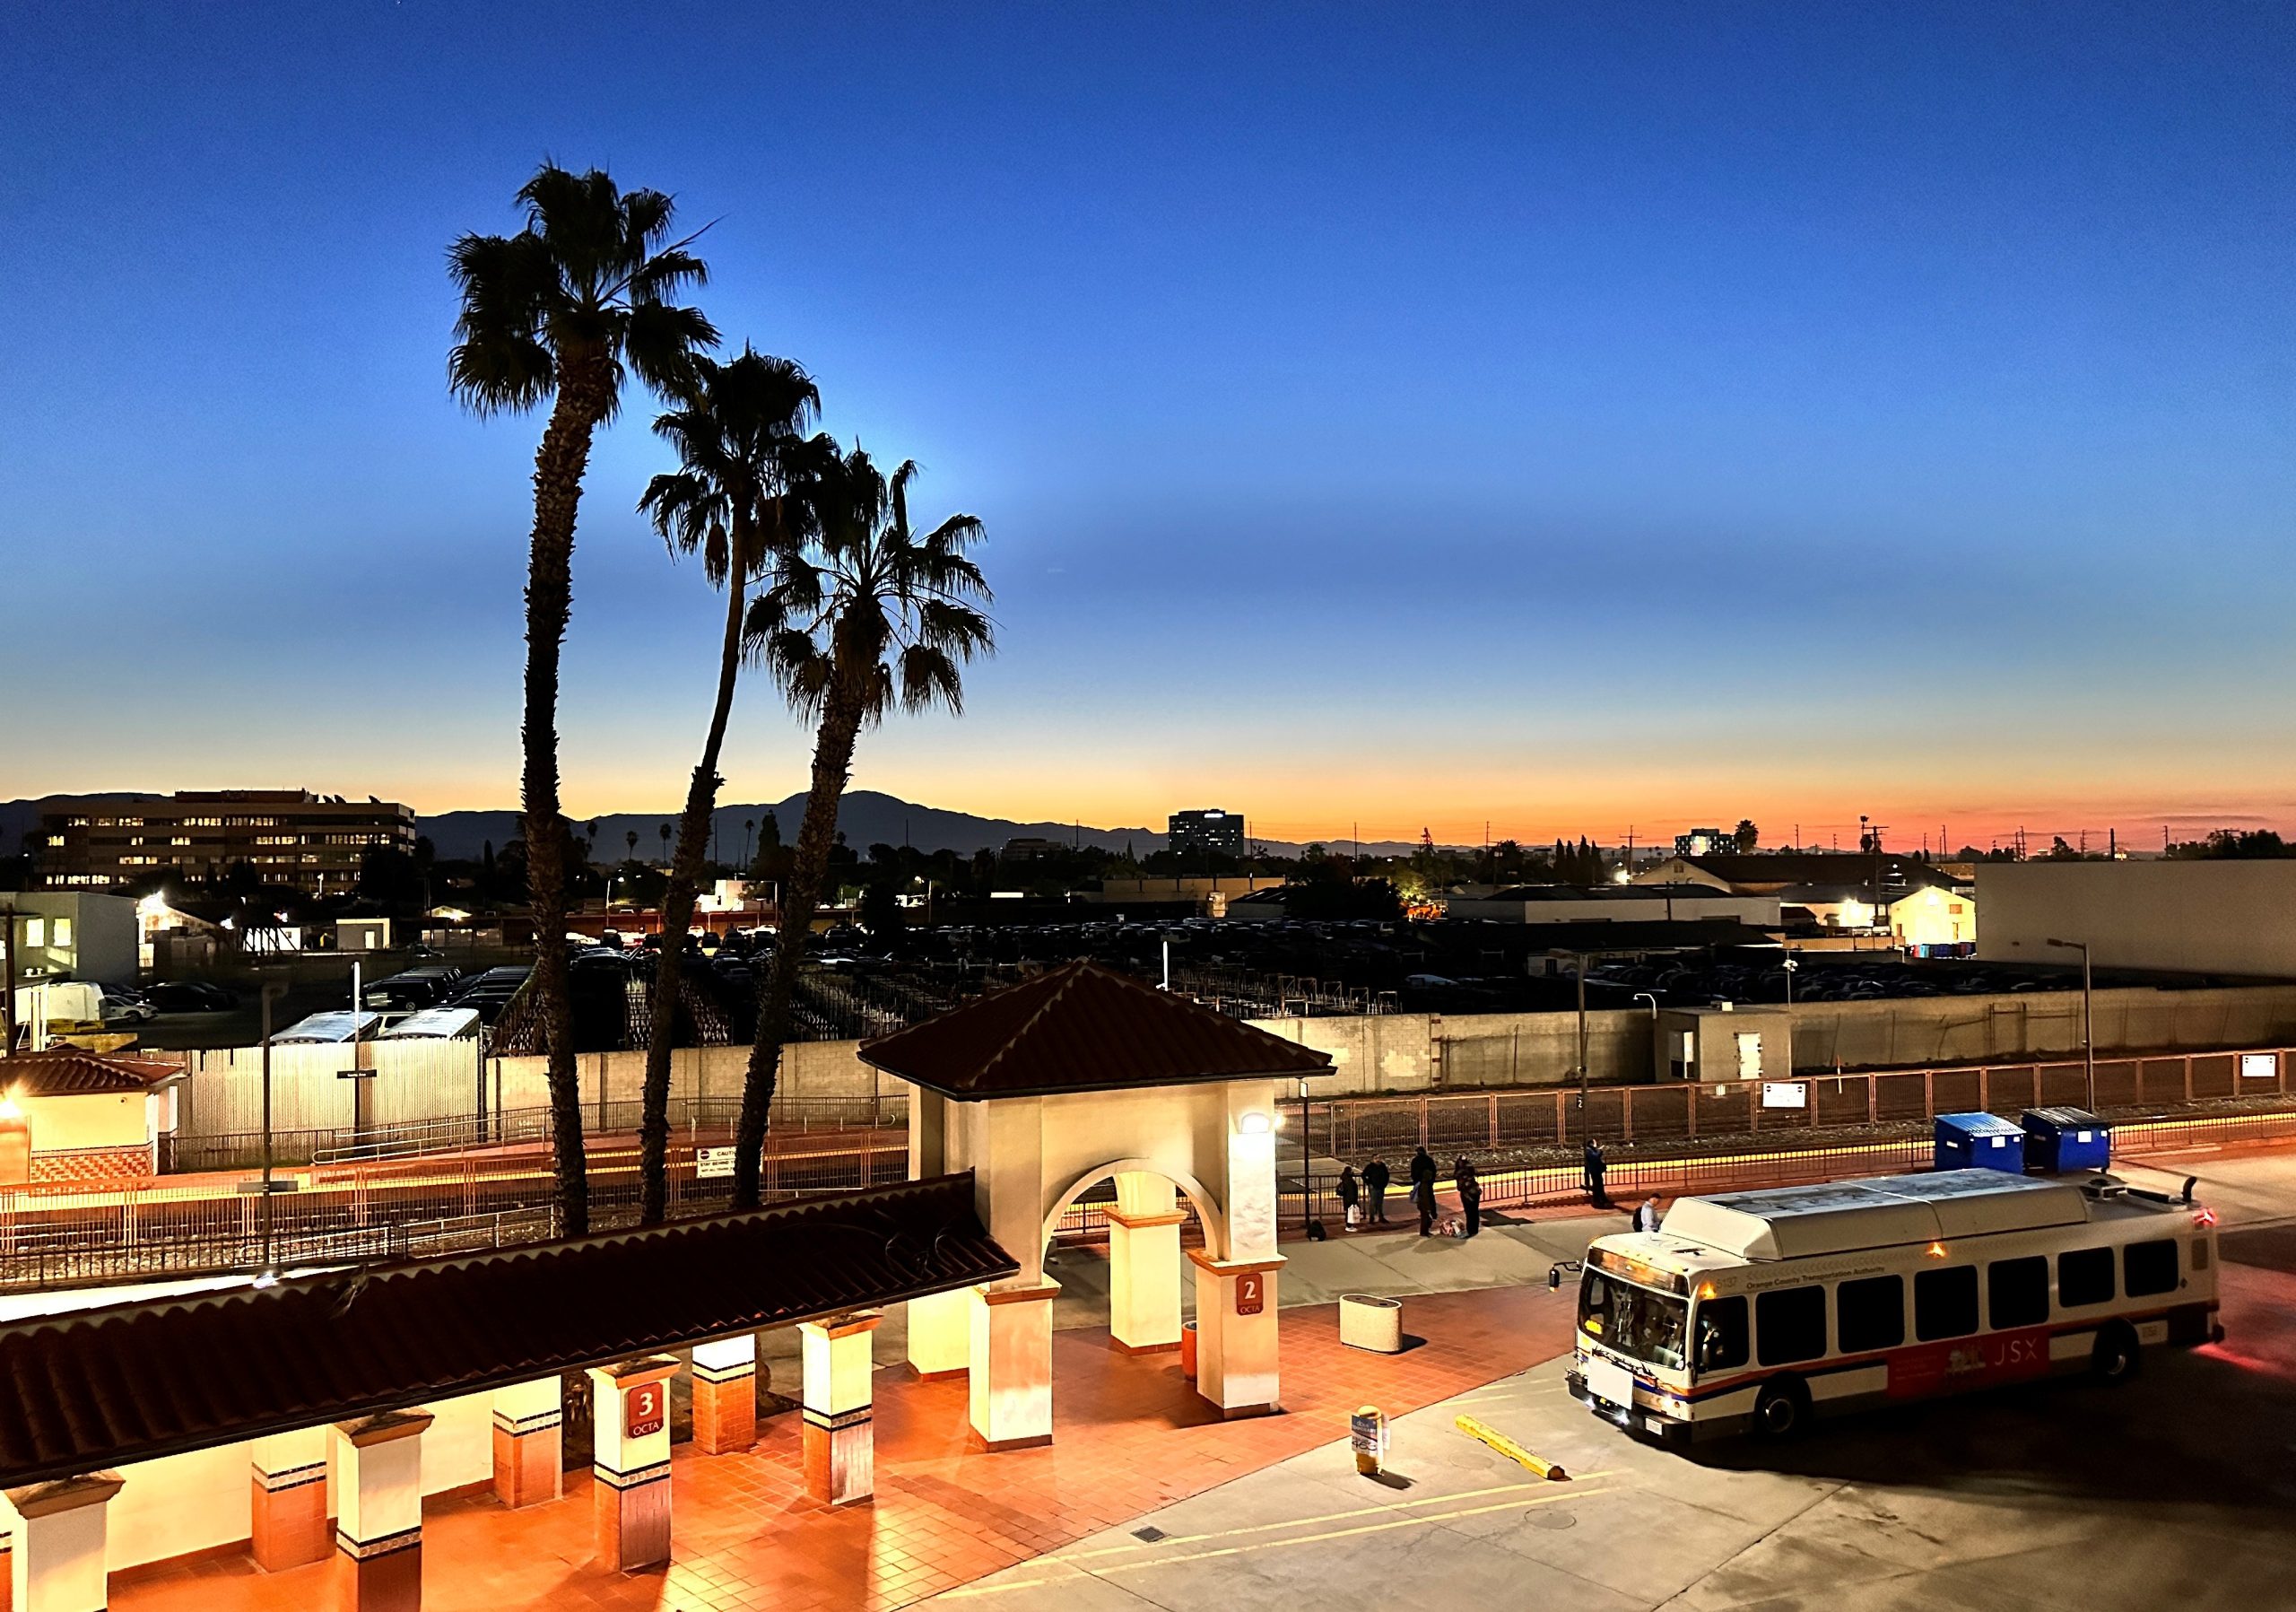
{"x": 1083, "y": 1028}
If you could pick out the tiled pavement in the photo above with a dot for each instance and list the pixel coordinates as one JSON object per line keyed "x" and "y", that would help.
{"x": 1130, "y": 1435}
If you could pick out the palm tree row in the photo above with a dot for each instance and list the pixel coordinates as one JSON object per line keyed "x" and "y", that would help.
{"x": 855, "y": 612}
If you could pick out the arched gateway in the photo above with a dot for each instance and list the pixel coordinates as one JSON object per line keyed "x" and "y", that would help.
{"x": 1047, "y": 1086}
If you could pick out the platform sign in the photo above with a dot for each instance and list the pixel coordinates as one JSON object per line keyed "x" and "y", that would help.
{"x": 1251, "y": 1293}
{"x": 1785, "y": 1094}
{"x": 713, "y": 1163}
{"x": 1367, "y": 1434}
{"x": 2259, "y": 1066}
{"x": 644, "y": 1410}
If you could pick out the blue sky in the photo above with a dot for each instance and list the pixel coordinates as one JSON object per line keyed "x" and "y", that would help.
{"x": 1562, "y": 416}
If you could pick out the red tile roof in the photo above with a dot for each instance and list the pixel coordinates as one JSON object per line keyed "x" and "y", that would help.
{"x": 71, "y": 1072}
{"x": 1083, "y": 1028}
{"x": 97, "y": 1388}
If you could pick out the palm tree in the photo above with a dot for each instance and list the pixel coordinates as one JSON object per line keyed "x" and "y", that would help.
{"x": 868, "y": 615}
{"x": 561, "y": 312}
{"x": 740, "y": 441}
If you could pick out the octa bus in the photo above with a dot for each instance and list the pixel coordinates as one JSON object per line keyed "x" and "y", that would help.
{"x": 1755, "y": 1310}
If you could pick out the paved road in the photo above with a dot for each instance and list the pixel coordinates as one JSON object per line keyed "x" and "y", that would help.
{"x": 2176, "y": 1492}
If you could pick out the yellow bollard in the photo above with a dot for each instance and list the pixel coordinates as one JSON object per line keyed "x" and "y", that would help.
{"x": 1512, "y": 1450}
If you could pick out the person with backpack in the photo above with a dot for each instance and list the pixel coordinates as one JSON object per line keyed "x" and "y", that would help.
{"x": 1470, "y": 1186}
{"x": 1375, "y": 1192}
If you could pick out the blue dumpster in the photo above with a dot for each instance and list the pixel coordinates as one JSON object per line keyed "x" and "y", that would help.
{"x": 2067, "y": 1138}
{"x": 1980, "y": 1142}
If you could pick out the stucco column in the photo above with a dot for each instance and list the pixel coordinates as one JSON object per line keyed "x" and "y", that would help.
{"x": 1011, "y": 1365}
{"x": 1144, "y": 1265}
{"x": 378, "y": 1510}
{"x": 57, "y": 1563}
{"x": 1236, "y": 1337}
{"x": 940, "y": 1335}
{"x": 630, "y": 1435}
{"x": 840, "y": 1399}
{"x": 724, "y": 1395}
{"x": 529, "y": 1442}
{"x": 287, "y": 1500}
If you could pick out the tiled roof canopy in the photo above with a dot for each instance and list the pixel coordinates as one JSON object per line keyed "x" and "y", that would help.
{"x": 94, "y": 1388}
{"x": 71, "y": 1072}
{"x": 1083, "y": 1028}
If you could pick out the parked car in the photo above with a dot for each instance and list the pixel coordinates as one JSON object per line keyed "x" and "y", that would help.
{"x": 189, "y": 995}
{"x": 126, "y": 1010}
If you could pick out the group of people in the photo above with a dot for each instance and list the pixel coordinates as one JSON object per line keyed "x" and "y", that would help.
{"x": 1363, "y": 1199}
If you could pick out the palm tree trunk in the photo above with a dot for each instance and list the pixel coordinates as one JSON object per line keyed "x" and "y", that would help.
{"x": 677, "y": 908}
{"x": 584, "y": 389}
{"x": 841, "y": 717}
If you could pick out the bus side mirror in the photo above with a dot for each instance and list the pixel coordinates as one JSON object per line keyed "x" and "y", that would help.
{"x": 2190, "y": 1182}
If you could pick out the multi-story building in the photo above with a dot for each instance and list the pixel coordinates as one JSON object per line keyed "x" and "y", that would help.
{"x": 1209, "y": 829}
{"x": 289, "y": 837}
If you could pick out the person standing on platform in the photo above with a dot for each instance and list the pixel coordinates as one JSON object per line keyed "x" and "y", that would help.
{"x": 1594, "y": 1168}
{"x": 1470, "y": 1186}
{"x": 1349, "y": 1194}
{"x": 1375, "y": 1192}
{"x": 1423, "y": 1199}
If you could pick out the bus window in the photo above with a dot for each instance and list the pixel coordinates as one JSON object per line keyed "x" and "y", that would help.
{"x": 2016, "y": 1291}
{"x": 1636, "y": 1322}
{"x": 2084, "y": 1276}
{"x": 2149, "y": 1268}
{"x": 1790, "y": 1325}
{"x": 1721, "y": 1325}
{"x": 1944, "y": 1303}
{"x": 1869, "y": 1315}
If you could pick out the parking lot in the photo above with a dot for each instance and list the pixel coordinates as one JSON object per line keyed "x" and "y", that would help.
{"x": 2175, "y": 1491}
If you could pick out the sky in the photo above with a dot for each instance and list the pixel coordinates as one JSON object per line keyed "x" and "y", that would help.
{"x": 1564, "y": 418}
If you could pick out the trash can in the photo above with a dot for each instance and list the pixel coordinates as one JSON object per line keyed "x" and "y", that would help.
{"x": 2067, "y": 1138}
{"x": 1188, "y": 1351}
{"x": 1370, "y": 1323}
{"x": 1980, "y": 1142}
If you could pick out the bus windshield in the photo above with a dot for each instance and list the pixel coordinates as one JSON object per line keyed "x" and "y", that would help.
{"x": 1642, "y": 1325}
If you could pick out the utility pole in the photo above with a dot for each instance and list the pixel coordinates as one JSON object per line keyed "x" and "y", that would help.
{"x": 272, "y": 990}
{"x": 8, "y": 969}
{"x": 2088, "y": 1016}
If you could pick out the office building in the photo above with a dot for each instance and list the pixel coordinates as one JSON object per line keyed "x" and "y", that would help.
{"x": 290, "y": 837}
{"x": 1190, "y": 834}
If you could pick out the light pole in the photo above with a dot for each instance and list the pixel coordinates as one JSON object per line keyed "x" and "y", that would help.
{"x": 1791, "y": 966}
{"x": 272, "y": 990}
{"x": 2088, "y": 1016}
{"x": 1644, "y": 995}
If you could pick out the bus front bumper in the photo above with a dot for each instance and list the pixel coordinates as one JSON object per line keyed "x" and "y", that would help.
{"x": 1634, "y": 1419}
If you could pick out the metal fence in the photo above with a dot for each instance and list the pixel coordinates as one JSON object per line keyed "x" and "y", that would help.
{"x": 1359, "y": 1128}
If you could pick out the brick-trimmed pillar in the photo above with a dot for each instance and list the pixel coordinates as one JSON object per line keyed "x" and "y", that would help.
{"x": 7, "y": 1572}
{"x": 940, "y": 1332}
{"x": 287, "y": 1500}
{"x": 840, "y": 1398}
{"x": 378, "y": 1510}
{"x": 1144, "y": 1265}
{"x": 1236, "y": 1337}
{"x": 724, "y": 1395}
{"x": 1011, "y": 1365}
{"x": 529, "y": 1442}
{"x": 57, "y": 1563}
{"x": 630, "y": 1438}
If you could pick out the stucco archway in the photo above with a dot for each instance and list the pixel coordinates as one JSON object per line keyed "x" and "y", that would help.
{"x": 1207, "y": 1206}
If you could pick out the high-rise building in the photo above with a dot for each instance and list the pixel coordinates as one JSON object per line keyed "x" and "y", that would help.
{"x": 289, "y": 837}
{"x": 1209, "y": 829}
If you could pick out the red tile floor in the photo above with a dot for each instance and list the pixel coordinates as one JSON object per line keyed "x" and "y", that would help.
{"x": 1130, "y": 1434}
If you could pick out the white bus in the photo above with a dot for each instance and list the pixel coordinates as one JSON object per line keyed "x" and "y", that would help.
{"x": 1755, "y": 1310}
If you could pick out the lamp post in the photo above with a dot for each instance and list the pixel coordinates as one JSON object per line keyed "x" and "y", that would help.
{"x": 272, "y": 990}
{"x": 2088, "y": 1015}
{"x": 1791, "y": 966}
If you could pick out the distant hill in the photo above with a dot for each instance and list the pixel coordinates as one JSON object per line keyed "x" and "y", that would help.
{"x": 867, "y": 817}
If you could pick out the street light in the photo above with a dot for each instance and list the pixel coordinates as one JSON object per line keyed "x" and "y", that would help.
{"x": 1644, "y": 995}
{"x": 1791, "y": 966}
{"x": 2088, "y": 1015}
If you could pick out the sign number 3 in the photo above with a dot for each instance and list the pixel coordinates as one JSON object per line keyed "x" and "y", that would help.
{"x": 642, "y": 1409}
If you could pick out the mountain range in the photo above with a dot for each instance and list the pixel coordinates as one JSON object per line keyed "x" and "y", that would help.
{"x": 866, "y": 817}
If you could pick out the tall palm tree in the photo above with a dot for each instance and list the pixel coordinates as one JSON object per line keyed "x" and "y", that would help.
{"x": 562, "y": 311}
{"x": 740, "y": 441}
{"x": 869, "y": 614}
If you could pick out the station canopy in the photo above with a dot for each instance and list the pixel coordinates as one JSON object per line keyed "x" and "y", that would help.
{"x": 1083, "y": 1028}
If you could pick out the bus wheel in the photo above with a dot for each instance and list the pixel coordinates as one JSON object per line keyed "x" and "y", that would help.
{"x": 2115, "y": 1358}
{"x": 1782, "y": 1410}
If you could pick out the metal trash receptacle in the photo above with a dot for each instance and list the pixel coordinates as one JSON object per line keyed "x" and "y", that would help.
{"x": 1980, "y": 1142}
{"x": 2059, "y": 1140}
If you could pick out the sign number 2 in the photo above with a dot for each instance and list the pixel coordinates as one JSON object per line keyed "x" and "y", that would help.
{"x": 1251, "y": 1294}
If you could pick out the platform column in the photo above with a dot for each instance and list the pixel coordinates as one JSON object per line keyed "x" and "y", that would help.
{"x": 940, "y": 1335}
{"x": 287, "y": 1500}
{"x": 630, "y": 1434}
{"x": 1144, "y": 1265}
{"x": 1235, "y": 1359}
{"x": 724, "y": 1395}
{"x": 1011, "y": 1365}
{"x": 840, "y": 1399}
{"x": 378, "y": 1510}
{"x": 56, "y": 1562}
{"x": 529, "y": 1442}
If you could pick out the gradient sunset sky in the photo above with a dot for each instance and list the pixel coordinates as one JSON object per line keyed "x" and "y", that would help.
{"x": 1565, "y": 416}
